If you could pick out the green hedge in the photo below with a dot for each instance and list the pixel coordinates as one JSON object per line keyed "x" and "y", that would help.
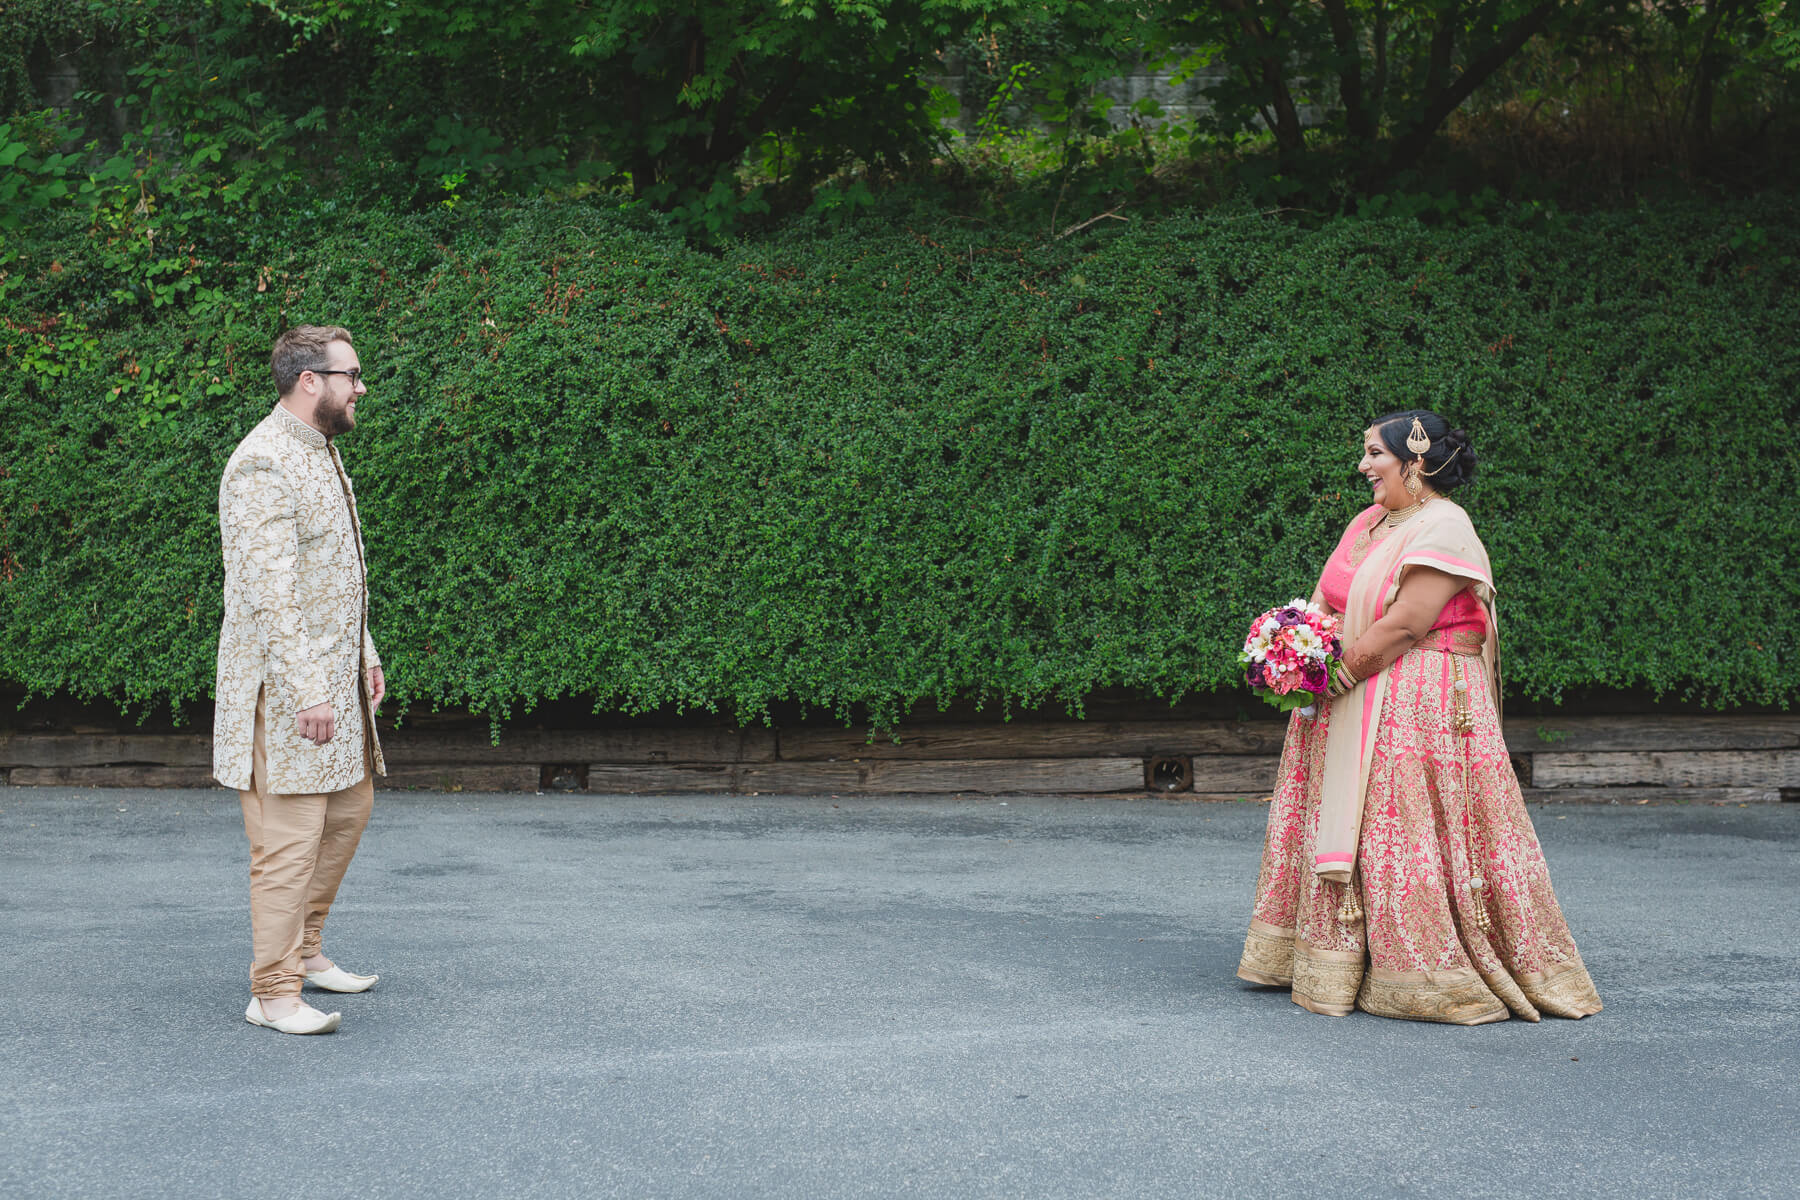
{"x": 895, "y": 464}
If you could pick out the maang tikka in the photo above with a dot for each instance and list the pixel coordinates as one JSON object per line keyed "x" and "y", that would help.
{"x": 1417, "y": 440}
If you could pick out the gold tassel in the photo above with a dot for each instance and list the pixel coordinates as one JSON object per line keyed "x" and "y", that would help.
{"x": 1462, "y": 720}
{"x": 1349, "y": 906}
{"x": 1478, "y": 905}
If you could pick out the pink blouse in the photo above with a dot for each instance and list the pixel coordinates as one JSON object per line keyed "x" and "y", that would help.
{"x": 1462, "y": 614}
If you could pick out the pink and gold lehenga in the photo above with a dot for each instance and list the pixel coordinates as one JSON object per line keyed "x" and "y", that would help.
{"x": 1401, "y": 874}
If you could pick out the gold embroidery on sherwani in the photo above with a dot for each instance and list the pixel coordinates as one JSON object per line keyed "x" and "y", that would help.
{"x": 1268, "y": 955}
{"x": 296, "y": 611}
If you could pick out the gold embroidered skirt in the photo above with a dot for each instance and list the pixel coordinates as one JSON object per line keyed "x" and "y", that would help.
{"x": 1450, "y": 915}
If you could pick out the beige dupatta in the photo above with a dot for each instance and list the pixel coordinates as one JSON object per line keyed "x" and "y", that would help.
{"x": 1442, "y": 537}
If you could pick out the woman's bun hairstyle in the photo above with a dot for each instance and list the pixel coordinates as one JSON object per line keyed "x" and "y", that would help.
{"x": 1449, "y": 463}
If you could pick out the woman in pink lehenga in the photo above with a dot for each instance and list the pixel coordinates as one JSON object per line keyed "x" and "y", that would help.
{"x": 1401, "y": 874}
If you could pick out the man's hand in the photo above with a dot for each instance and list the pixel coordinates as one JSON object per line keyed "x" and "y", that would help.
{"x": 377, "y": 686}
{"x": 316, "y": 724}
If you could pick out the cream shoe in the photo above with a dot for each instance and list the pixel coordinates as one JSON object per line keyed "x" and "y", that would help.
{"x": 305, "y": 1019}
{"x": 335, "y": 979}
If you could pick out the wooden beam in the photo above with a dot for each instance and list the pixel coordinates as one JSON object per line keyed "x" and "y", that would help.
{"x": 613, "y": 779}
{"x": 1235, "y": 773}
{"x": 113, "y": 777}
{"x": 1049, "y": 776}
{"x": 706, "y": 744}
{"x": 1563, "y": 734}
{"x": 1675, "y": 768}
{"x": 493, "y": 777}
{"x": 96, "y": 749}
{"x": 1035, "y": 739}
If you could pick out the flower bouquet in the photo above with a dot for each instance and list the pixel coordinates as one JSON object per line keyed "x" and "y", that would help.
{"x": 1289, "y": 654}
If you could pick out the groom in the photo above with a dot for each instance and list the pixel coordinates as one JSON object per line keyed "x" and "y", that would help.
{"x": 299, "y": 680}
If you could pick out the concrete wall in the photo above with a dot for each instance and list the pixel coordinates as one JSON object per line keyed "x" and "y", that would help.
{"x": 1181, "y": 101}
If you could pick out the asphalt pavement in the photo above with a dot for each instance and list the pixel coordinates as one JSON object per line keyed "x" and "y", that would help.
{"x": 813, "y": 997}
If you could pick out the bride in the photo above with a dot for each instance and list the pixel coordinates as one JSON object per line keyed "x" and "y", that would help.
{"x": 1401, "y": 874}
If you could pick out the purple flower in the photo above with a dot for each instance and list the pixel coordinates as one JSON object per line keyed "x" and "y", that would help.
{"x": 1312, "y": 678}
{"x": 1254, "y": 676}
{"x": 1290, "y": 616}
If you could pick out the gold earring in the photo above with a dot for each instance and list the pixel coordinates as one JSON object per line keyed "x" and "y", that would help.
{"x": 1411, "y": 478}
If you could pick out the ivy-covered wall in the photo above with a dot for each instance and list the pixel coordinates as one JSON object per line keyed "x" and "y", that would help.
{"x": 904, "y": 462}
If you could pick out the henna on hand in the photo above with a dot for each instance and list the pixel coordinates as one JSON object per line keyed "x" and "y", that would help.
{"x": 1363, "y": 664}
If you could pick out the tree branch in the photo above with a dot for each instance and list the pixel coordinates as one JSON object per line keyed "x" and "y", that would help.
{"x": 1697, "y": 104}
{"x": 1443, "y": 46}
{"x": 1110, "y": 214}
{"x": 1350, "y": 83}
{"x": 1288, "y": 134}
{"x": 1408, "y": 149}
{"x": 1378, "y": 83}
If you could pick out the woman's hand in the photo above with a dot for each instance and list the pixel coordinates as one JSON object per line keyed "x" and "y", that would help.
{"x": 1423, "y": 593}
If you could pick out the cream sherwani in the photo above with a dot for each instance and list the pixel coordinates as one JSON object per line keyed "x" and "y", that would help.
{"x": 296, "y": 625}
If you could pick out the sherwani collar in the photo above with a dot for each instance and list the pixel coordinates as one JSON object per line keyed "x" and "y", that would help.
{"x": 299, "y": 430}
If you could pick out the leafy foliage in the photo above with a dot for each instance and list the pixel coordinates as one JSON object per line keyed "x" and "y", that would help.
{"x": 1327, "y": 103}
{"x": 663, "y": 98}
{"x": 726, "y": 115}
{"x": 902, "y": 462}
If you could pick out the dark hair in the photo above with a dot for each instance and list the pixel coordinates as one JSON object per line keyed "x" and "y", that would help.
{"x": 302, "y": 348}
{"x": 1449, "y": 463}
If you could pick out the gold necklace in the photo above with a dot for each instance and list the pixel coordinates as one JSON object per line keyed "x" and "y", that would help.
{"x": 1394, "y": 518}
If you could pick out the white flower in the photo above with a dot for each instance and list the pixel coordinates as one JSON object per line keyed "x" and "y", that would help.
{"x": 1258, "y": 645}
{"x": 1303, "y": 639}
{"x": 1270, "y": 627}
{"x": 1298, "y": 603}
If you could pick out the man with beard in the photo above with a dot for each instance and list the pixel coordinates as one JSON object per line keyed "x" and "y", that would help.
{"x": 299, "y": 680}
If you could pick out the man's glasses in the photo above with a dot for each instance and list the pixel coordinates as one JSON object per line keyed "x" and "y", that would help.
{"x": 354, "y": 373}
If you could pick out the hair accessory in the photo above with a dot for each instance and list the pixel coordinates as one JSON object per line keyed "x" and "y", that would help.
{"x": 1445, "y": 463}
{"x": 1417, "y": 440}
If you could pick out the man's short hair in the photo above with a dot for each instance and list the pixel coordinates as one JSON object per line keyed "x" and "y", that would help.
{"x": 302, "y": 348}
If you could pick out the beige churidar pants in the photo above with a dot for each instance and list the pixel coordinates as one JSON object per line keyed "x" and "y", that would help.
{"x": 300, "y": 847}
